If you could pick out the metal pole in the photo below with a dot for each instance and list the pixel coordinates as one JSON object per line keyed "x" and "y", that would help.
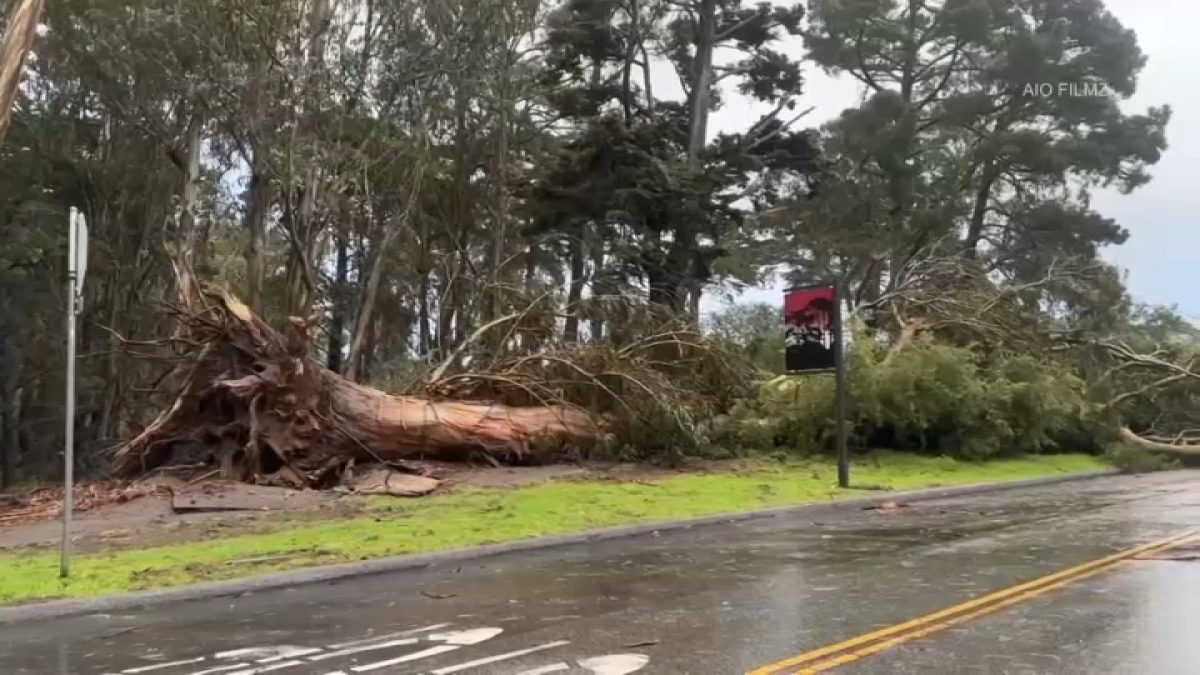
{"x": 64, "y": 568}
{"x": 839, "y": 355}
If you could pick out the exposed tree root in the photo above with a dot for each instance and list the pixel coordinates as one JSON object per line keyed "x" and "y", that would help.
{"x": 260, "y": 408}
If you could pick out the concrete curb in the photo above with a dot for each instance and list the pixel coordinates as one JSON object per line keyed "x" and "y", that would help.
{"x": 57, "y": 609}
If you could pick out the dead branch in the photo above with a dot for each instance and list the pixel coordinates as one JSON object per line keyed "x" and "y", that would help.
{"x": 1157, "y": 446}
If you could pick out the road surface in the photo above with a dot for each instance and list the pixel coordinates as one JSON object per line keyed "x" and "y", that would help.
{"x": 784, "y": 594}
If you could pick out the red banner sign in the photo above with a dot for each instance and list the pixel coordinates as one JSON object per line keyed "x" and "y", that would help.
{"x": 810, "y": 328}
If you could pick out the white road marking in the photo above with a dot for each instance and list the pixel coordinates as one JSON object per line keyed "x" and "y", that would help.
{"x": 160, "y": 666}
{"x": 471, "y": 636}
{"x": 363, "y": 648}
{"x": 387, "y": 636}
{"x": 615, "y": 664}
{"x": 499, "y": 657}
{"x": 432, "y": 651}
{"x": 221, "y": 669}
{"x": 267, "y": 669}
{"x": 278, "y": 657}
{"x": 552, "y": 668}
{"x": 266, "y": 654}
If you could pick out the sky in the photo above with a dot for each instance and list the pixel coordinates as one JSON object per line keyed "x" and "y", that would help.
{"x": 1162, "y": 256}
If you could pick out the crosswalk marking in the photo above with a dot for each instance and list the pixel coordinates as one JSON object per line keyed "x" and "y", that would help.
{"x": 271, "y": 658}
{"x": 386, "y": 636}
{"x": 267, "y": 669}
{"x": 265, "y": 654}
{"x": 221, "y": 669}
{"x": 499, "y": 657}
{"x": 160, "y": 666}
{"x": 363, "y": 648}
{"x": 432, "y": 651}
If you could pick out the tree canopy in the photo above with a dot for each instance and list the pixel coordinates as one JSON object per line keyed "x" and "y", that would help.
{"x": 444, "y": 183}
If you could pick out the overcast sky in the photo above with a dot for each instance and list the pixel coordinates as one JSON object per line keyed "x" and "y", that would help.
{"x": 1162, "y": 256}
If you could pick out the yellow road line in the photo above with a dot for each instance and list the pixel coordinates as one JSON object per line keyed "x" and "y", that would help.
{"x": 949, "y": 616}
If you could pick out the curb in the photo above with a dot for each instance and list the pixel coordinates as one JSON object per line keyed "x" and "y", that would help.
{"x": 58, "y": 609}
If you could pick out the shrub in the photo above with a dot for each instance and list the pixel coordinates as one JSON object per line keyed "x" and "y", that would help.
{"x": 930, "y": 396}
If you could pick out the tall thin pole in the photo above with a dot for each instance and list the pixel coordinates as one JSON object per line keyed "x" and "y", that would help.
{"x": 839, "y": 355}
{"x": 64, "y": 568}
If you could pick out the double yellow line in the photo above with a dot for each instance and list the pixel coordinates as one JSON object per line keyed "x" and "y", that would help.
{"x": 825, "y": 658}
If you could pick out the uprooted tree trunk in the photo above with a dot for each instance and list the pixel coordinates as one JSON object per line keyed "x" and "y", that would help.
{"x": 259, "y": 407}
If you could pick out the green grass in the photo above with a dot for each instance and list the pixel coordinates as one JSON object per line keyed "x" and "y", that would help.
{"x": 480, "y": 516}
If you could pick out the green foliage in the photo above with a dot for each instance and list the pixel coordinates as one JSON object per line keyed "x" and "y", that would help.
{"x": 755, "y": 330}
{"x": 1132, "y": 459}
{"x": 929, "y": 396}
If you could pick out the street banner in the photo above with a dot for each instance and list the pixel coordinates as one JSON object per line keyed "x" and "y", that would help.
{"x": 810, "y": 333}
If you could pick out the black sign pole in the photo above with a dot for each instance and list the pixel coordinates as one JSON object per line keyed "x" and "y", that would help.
{"x": 839, "y": 355}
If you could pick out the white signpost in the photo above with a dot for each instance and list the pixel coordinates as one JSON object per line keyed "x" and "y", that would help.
{"x": 76, "y": 271}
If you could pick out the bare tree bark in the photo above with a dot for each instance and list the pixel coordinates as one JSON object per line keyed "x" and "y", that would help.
{"x": 699, "y": 102}
{"x": 424, "y": 339}
{"x": 20, "y": 29}
{"x": 1128, "y": 436}
{"x": 634, "y": 42}
{"x": 491, "y": 305}
{"x": 701, "y": 94}
{"x": 191, "y": 246}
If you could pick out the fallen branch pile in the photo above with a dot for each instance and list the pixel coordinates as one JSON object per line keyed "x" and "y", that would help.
{"x": 46, "y": 503}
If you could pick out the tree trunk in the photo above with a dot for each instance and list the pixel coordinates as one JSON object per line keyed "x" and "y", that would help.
{"x": 695, "y": 292}
{"x": 701, "y": 98}
{"x": 979, "y": 213}
{"x": 574, "y": 291}
{"x": 341, "y": 300}
{"x": 687, "y": 276}
{"x": 190, "y": 242}
{"x": 492, "y": 297}
{"x": 20, "y": 27}
{"x": 11, "y": 364}
{"x": 447, "y": 303}
{"x": 10, "y": 437}
{"x": 634, "y": 40}
{"x": 1155, "y": 446}
{"x": 599, "y": 290}
{"x": 424, "y": 340}
{"x": 258, "y": 198}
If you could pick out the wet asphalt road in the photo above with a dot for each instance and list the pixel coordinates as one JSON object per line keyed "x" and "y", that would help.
{"x": 720, "y": 599}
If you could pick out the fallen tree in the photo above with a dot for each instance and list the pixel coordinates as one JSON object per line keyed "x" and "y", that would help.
{"x": 1180, "y": 446}
{"x": 259, "y": 407}
{"x": 255, "y": 405}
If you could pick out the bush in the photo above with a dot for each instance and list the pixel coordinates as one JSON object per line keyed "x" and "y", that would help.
{"x": 931, "y": 396}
